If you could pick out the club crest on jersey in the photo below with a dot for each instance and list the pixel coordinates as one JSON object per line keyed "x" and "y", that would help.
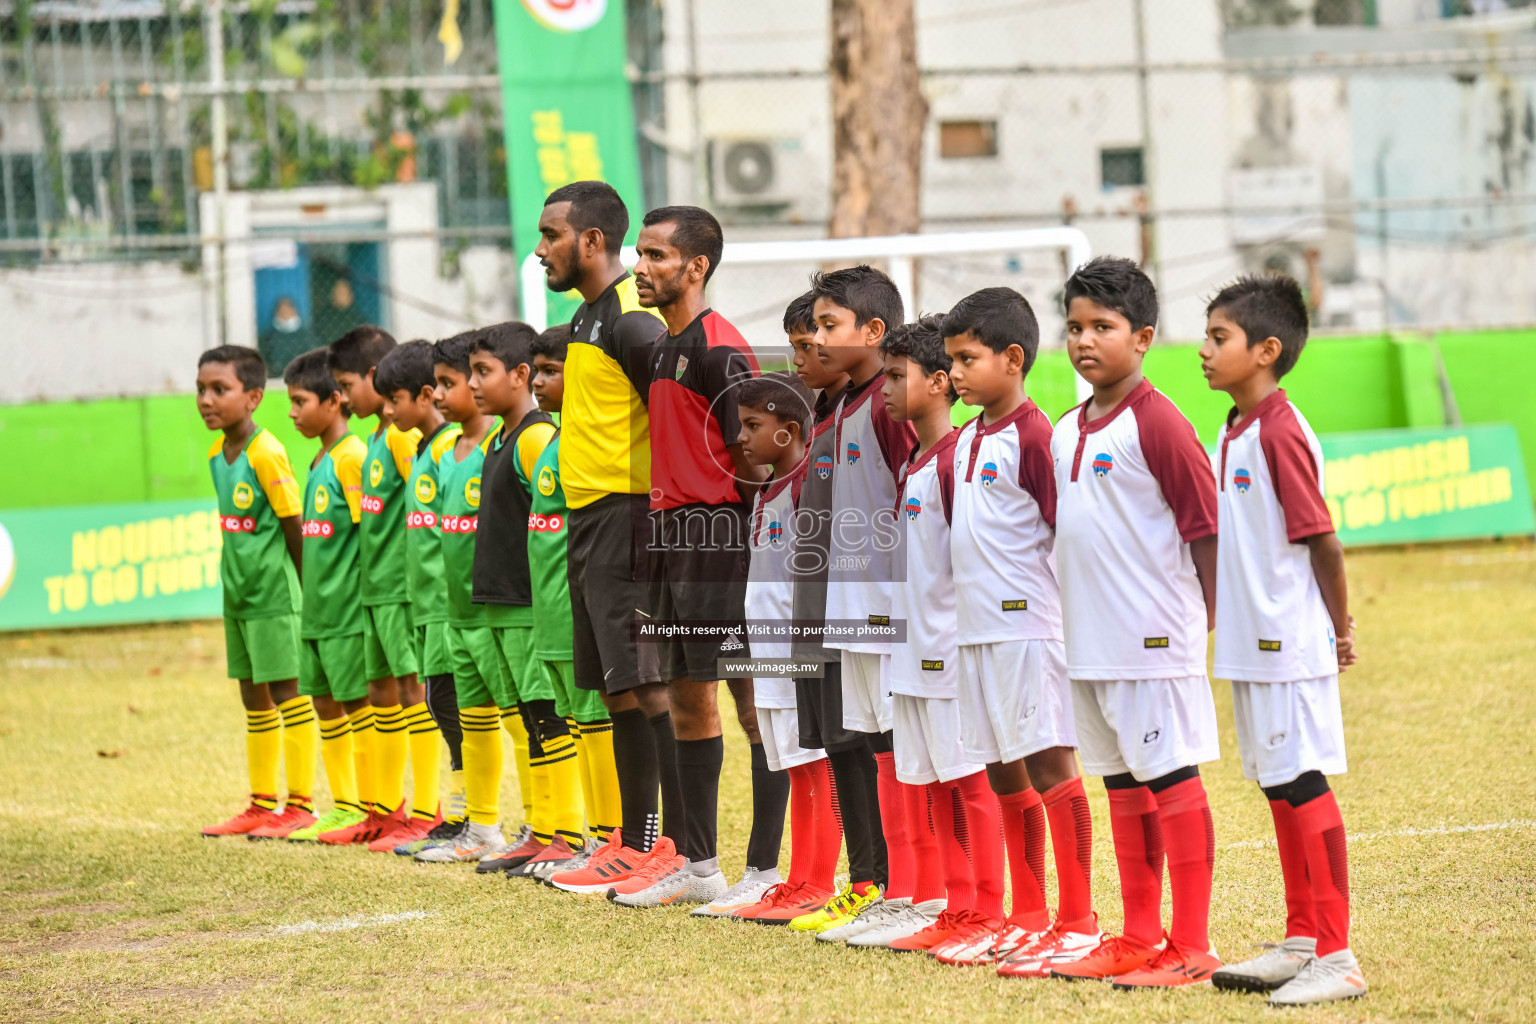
{"x": 1242, "y": 481}
{"x": 375, "y": 473}
{"x": 1102, "y": 464}
{"x": 775, "y": 534}
{"x": 243, "y": 495}
{"x": 914, "y": 508}
{"x": 853, "y": 453}
{"x": 322, "y": 498}
{"x": 546, "y": 481}
{"x": 472, "y": 492}
{"x": 595, "y": 328}
{"x": 682, "y": 364}
{"x": 426, "y": 489}
{"x": 988, "y": 474}
{"x": 823, "y": 466}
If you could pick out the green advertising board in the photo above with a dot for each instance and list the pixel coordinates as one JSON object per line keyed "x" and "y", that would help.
{"x": 96, "y": 565}
{"x": 566, "y": 108}
{"x": 1408, "y": 486}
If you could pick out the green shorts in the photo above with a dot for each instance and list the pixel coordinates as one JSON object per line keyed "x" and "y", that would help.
{"x": 530, "y": 676}
{"x": 432, "y": 655}
{"x": 478, "y": 676}
{"x": 570, "y": 700}
{"x": 388, "y": 641}
{"x": 262, "y": 650}
{"x": 332, "y": 667}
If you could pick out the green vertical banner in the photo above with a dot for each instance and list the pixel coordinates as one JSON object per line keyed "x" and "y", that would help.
{"x": 566, "y": 107}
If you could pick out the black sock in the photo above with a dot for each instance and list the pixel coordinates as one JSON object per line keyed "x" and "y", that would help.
{"x": 634, "y": 757}
{"x": 443, "y": 704}
{"x": 698, "y": 782}
{"x": 870, "y": 786}
{"x": 770, "y": 799}
{"x": 858, "y": 832}
{"x": 674, "y": 812}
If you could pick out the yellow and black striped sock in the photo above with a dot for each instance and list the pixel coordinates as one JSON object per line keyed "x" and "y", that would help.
{"x": 300, "y": 748}
{"x": 596, "y": 745}
{"x": 567, "y": 808}
{"x": 455, "y": 810}
{"x": 365, "y": 757}
{"x": 512, "y": 721}
{"x": 541, "y": 818}
{"x": 263, "y": 744}
{"x": 585, "y": 770}
{"x": 482, "y": 764}
{"x": 423, "y": 736}
{"x": 390, "y": 750}
{"x": 340, "y": 767}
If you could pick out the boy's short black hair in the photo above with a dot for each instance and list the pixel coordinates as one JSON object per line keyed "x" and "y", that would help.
{"x": 922, "y": 342}
{"x": 1267, "y": 306}
{"x": 695, "y": 232}
{"x": 867, "y": 292}
{"x": 510, "y": 342}
{"x": 1115, "y": 283}
{"x": 406, "y": 368}
{"x": 360, "y": 349}
{"x": 594, "y": 204}
{"x": 780, "y": 394}
{"x": 997, "y": 317}
{"x": 800, "y": 315}
{"x": 250, "y": 369}
{"x": 310, "y": 371}
{"x": 454, "y": 351}
{"x": 552, "y": 342}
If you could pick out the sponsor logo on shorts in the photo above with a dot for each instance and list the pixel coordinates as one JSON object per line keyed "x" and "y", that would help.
{"x": 1242, "y": 481}
{"x": 1152, "y": 736}
{"x": 853, "y": 453}
{"x": 914, "y": 508}
{"x": 460, "y": 524}
{"x": 546, "y": 481}
{"x": 933, "y": 666}
{"x": 420, "y": 520}
{"x": 731, "y": 643}
{"x": 372, "y": 504}
{"x": 1102, "y": 464}
{"x": 317, "y": 528}
{"x": 1269, "y": 645}
{"x": 1154, "y": 641}
{"x": 823, "y": 466}
{"x": 879, "y": 620}
{"x": 1020, "y": 605}
{"x": 1277, "y": 739}
{"x": 426, "y": 489}
{"x": 472, "y": 492}
{"x": 375, "y": 473}
{"x": 545, "y": 524}
{"x": 238, "y": 524}
{"x": 243, "y": 495}
{"x": 322, "y": 498}
{"x": 988, "y": 474}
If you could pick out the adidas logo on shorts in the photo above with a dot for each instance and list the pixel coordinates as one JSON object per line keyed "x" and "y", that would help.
{"x": 731, "y": 643}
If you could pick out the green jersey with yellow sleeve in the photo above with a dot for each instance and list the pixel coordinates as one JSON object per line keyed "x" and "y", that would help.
{"x": 459, "y": 482}
{"x": 423, "y": 536}
{"x": 333, "y": 497}
{"x": 255, "y": 490}
{"x": 381, "y": 531}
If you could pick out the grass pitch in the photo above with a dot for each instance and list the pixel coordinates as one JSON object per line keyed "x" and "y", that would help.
{"x": 116, "y": 746}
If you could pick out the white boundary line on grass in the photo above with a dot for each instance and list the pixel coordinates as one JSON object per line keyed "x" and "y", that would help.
{"x": 347, "y": 923}
{"x": 1436, "y": 830}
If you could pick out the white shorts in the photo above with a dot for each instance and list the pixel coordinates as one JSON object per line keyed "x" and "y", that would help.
{"x": 926, "y": 736}
{"x": 1015, "y": 700}
{"x": 1147, "y": 727}
{"x": 1284, "y": 729}
{"x": 866, "y": 692}
{"x": 780, "y": 729}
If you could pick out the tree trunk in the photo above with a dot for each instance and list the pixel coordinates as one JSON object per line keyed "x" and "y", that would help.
{"x": 878, "y": 114}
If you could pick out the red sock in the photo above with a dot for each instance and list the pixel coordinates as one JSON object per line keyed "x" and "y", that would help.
{"x": 1186, "y": 819}
{"x": 927, "y": 868}
{"x": 1299, "y": 919}
{"x": 1066, "y": 805}
{"x": 1024, "y": 836}
{"x": 1322, "y": 830}
{"x": 826, "y": 832}
{"x": 949, "y": 825}
{"x": 801, "y": 835}
{"x": 893, "y": 824}
{"x": 1139, "y": 855}
{"x": 984, "y": 830}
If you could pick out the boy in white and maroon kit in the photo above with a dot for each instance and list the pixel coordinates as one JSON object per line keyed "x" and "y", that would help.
{"x": 1015, "y": 697}
{"x": 1283, "y": 634}
{"x": 1136, "y": 558}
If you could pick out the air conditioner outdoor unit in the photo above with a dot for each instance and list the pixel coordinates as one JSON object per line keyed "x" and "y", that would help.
{"x": 755, "y": 171}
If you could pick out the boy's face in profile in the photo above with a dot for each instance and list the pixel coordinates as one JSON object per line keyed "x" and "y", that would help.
{"x": 763, "y": 436}
{"x": 403, "y": 410}
{"x": 905, "y": 387}
{"x": 309, "y": 413}
{"x": 1225, "y": 356}
{"x": 452, "y": 395}
{"x": 549, "y": 382}
{"x": 357, "y": 390}
{"x": 1101, "y": 344}
{"x": 980, "y": 375}
{"x": 806, "y": 358}
{"x": 841, "y": 338}
{"x": 222, "y": 401}
{"x": 495, "y": 387}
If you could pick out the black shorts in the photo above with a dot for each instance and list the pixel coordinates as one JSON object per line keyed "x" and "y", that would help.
{"x": 605, "y": 564}
{"x": 699, "y": 559}
{"x": 819, "y": 703}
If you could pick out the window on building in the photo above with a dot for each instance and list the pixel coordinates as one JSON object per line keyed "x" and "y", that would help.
{"x": 1121, "y": 167}
{"x": 959, "y": 140}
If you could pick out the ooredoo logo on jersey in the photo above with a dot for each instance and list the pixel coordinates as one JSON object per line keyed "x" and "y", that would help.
{"x": 567, "y": 15}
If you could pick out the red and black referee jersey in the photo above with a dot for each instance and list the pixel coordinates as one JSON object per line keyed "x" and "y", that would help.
{"x": 693, "y": 412}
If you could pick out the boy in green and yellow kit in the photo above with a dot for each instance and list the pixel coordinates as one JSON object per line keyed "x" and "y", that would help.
{"x": 259, "y": 516}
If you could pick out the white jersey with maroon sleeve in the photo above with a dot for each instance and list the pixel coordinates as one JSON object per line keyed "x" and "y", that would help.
{"x": 1133, "y": 489}
{"x": 770, "y": 583}
{"x": 1271, "y": 623}
{"x": 1003, "y": 537}
{"x": 926, "y": 665}
{"x": 870, "y": 450}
